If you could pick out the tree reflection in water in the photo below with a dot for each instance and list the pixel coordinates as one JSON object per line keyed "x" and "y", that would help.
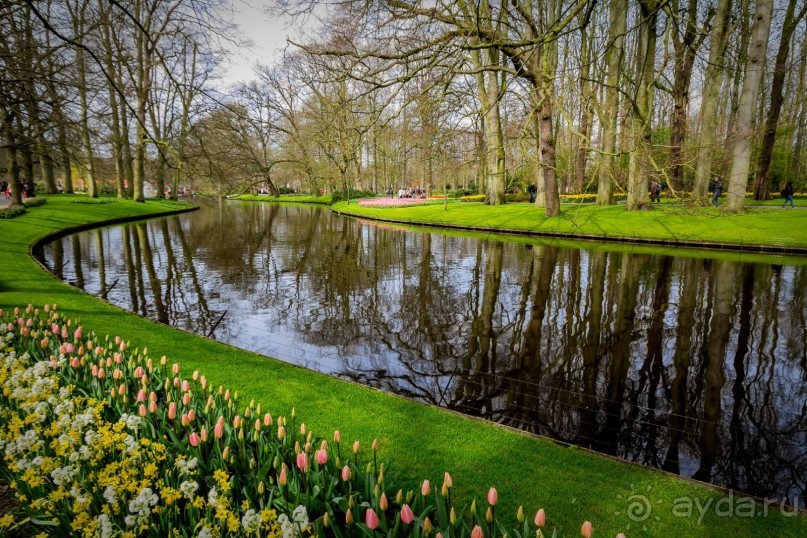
{"x": 695, "y": 366}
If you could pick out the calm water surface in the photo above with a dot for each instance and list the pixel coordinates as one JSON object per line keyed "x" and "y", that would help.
{"x": 695, "y": 366}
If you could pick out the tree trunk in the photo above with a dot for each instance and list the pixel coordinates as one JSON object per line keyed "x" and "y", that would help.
{"x": 488, "y": 90}
{"x": 762, "y": 181}
{"x": 585, "y": 114}
{"x": 638, "y": 167}
{"x": 737, "y": 75}
{"x": 796, "y": 166}
{"x": 10, "y": 143}
{"x": 618, "y": 13}
{"x": 713, "y": 80}
{"x": 86, "y": 141}
{"x": 741, "y": 153}
{"x": 685, "y": 49}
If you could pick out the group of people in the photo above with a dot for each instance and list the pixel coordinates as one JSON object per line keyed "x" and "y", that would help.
{"x": 415, "y": 192}
{"x": 27, "y": 189}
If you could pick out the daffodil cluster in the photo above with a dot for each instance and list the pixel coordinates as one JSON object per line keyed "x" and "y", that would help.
{"x": 100, "y": 440}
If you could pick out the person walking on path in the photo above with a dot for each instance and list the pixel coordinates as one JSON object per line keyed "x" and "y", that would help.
{"x": 532, "y": 189}
{"x": 787, "y": 192}
{"x": 655, "y": 191}
{"x": 717, "y": 190}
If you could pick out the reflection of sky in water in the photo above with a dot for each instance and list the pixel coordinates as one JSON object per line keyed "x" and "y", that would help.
{"x": 416, "y": 314}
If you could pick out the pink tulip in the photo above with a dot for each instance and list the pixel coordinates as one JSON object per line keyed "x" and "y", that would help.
{"x": 540, "y": 518}
{"x": 172, "y": 411}
{"x": 257, "y": 424}
{"x": 237, "y": 421}
{"x": 425, "y": 488}
{"x": 74, "y": 363}
{"x": 406, "y": 514}
{"x": 122, "y": 390}
{"x": 54, "y": 329}
{"x": 191, "y": 415}
{"x": 302, "y": 461}
{"x": 64, "y": 334}
{"x": 218, "y": 431}
{"x": 345, "y": 473}
{"x": 620, "y": 535}
{"x": 375, "y": 445}
{"x": 29, "y": 323}
{"x": 77, "y": 334}
{"x": 194, "y": 439}
{"x": 322, "y": 456}
{"x": 152, "y": 407}
{"x": 142, "y": 411}
{"x": 69, "y": 348}
{"x": 383, "y": 503}
{"x": 227, "y": 395}
{"x": 176, "y": 382}
{"x": 302, "y": 428}
{"x": 184, "y": 420}
{"x": 138, "y": 372}
{"x": 355, "y": 447}
{"x": 152, "y": 396}
{"x": 163, "y": 360}
{"x": 586, "y": 531}
{"x": 282, "y": 480}
{"x": 94, "y": 370}
{"x": 493, "y": 496}
{"x": 186, "y": 386}
{"x": 477, "y": 532}
{"x": 371, "y": 519}
{"x": 118, "y": 358}
{"x": 448, "y": 481}
{"x": 141, "y": 396}
{"x": 186, "y": 399}
{"x": 204, "y": 434}
{"x": 267, "y": 420}
{"x": 203, "y": 382}
{"x": 281, "y": 433}
{"x": 349, "y": 517}
{"x": 175, "y": 369}
{"x": 337, "y": 436}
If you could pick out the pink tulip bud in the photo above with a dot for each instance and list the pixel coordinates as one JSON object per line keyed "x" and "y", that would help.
{"x": 282, "y": 480}
{"x": 194, "y": 439}
{"x": 118, "y": 358}
{"x": 227, "y": 395}
{"x": 447, "y": 480}
{"x": 74, "y": 363}
{"x": 204, "y": 434}
{"x": 149, "y": 363}
{"x": 152, "y": 396}
{"x": 355, "y": 447}
{"x": 257, "y": 424}
{"x": 69, "y": 348}
{"x": 220, "y": 421}
{"x": 29, "y": 323}
{"x": 64, "y": 334}
{"x": 346, "y": 473}
{"x": 371, "y": 519}
{"x": 349, "y": 517}
{"x": 186, "y": 386}
{"x": 383, "y": 503}
{"x": 267, "y": 420}
{"x": 122, "y": 389}
{"x": 302, "y": 461}
{"x": 195, "y": 375}
{"x": 203, "y": 382}
{"x": 141, "y": 396}
{"x": 172, "y": 411}
{"x": 122, "y": 346}
{"x": 218, "y": 431}
{"x": 225, "y": 453}
{"x": 337, "y": 436}
{"x": 144, "y": 379}
{"x": 175, "y": 369}
{"x": 477, "y": 532}
{"x": 281, "y": 433}
{"x": 138, "y": 372}
{"x": 142, "y": 411}
{"x": 540, "y": 518}
{"x": 185, "y": 420}
{"x": 191, "y": 415}
{"x": 321, "y": 456}
{"x": 99, "y": 350}
{"x": 152, "y": 407}
{"x": 77, "y": 334}
{"x": 94, "y": 370}
{"x": 54, "y": 329}
{"x": 117, "y": 373}
{"x": 101, "y": 373}
{"x": 493, "y": 496}
{"x": 425, "y": 488}
{"x": 176, "y": 382}
{"x": 406, "y": 514}
{"x": 374, "y": 445}
{"x": 163, "y": 360}
{"x": 586, "y": 531}
{"x": 186, "y": 399}
{"x": 620, "y": 535}
{"x": 237, "y": 421}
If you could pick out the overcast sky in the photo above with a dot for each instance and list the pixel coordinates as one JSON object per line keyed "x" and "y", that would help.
{"x": 268, "y": 34}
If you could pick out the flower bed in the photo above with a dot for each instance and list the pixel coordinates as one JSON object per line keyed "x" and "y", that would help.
{"x": 391, "y": 202}
{"x": 99, "y": 439}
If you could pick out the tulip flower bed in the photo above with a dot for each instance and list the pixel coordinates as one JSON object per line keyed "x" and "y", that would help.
{"x": 393, "y": 202}
{"x": 99, "y": 439}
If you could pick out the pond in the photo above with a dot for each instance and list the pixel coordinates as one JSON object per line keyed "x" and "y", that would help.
{"x": 694, "y": 363}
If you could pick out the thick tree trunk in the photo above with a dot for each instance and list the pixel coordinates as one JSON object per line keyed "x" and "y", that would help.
{"x": 638, "y": 167}
{"x": 488, "y": 91}
{"x": 713, "y": 80}
{"x": 585, "y": 114}
{"x": 86, "y": 141}
{"x": 737, "y": 77}
{"x": 762, "y": 181}
{"x": 10, "y": 143}
{"x": 685, "y": 61}
{"x": 741, "y": 158}
{"x": 618, "y": 17}
{"x": 796, "y": 163}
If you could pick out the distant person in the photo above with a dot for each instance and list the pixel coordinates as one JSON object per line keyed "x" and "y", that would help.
{"x": 717, "y": 190}
{"x": 533, "y": 190}
{"x": 655, "y": 192}
{"x": 4, "y": 190}
{"x": 787, "y": 192}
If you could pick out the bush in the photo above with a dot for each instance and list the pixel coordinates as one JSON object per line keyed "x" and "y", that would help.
{"x": 94, "y": 201}
{"x": 11, "y": 211}
{"x": 35, "y": 202}
{"x": 99, "y": 438}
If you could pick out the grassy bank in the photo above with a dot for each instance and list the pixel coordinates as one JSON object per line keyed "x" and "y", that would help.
{"x": 773, "y": 227}
{"x": 422, "y": 442}
{"x": 296, "y": 198}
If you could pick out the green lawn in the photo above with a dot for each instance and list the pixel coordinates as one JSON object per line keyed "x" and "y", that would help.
{"x": 422, "y": 441}
{"x": 297, "y": 198}
{"x": 770, "y": 226}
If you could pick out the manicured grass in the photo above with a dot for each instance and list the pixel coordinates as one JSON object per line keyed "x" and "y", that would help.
{"x": 571, "y": 484}
{"x": 754, "y": 226}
